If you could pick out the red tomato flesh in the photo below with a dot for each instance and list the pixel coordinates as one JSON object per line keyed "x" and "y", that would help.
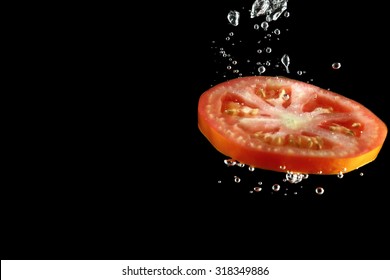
{"x": 281, "y": 124}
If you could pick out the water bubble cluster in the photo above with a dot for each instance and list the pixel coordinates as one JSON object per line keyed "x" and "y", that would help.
{"x": 258, "y": 187}
{"x": 295, "y": 178}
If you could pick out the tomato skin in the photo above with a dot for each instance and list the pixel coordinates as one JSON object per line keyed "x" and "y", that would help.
{"x": 287, "y": 159}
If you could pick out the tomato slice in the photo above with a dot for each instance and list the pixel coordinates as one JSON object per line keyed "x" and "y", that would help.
{"x": 281, "y": 124}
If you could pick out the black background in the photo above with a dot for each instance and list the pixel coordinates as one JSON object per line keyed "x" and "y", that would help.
{"x": 112, "y": 164}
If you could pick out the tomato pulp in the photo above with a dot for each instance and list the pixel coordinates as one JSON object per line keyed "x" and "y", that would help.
{"x": 281, "y": 124}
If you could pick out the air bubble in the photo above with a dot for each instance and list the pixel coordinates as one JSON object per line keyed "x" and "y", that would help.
{"x": 320, "y": 190}
{"x": 268, "y": 50}
{"x": 257, "y": 189}
{"x": 230, "y": 162}
{"x": 261, "y": 69}
{"x": 336, "y": 65}
{"x": 276, "y": 187}
{"x": 264, "y": 25}
{"x": 340, "y": 175}
{"x": 237, "y": 179}
{"x": 286, "y": 62}
{"x": 233, "y": 17}
{"x": 361, "y": 174}
{"x": 251, "y": 168}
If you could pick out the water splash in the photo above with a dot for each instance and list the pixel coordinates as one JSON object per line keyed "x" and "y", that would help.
{"x": 272, "y": 9}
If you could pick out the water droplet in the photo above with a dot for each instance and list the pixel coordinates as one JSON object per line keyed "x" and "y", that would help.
{"x": 320, "y": 190}
{"x": 261, "y": 69}
{"x": 276, "y": 187}
{"x": 237, "y": 179}
{"x": 336, "y": 65}
{"x": 286, "y": 62}
{"x": 257, "y": 189}
{"x": 233, "y": 17}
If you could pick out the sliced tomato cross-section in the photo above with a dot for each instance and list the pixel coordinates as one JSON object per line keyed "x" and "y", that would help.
{"x": 279, "y": 124}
